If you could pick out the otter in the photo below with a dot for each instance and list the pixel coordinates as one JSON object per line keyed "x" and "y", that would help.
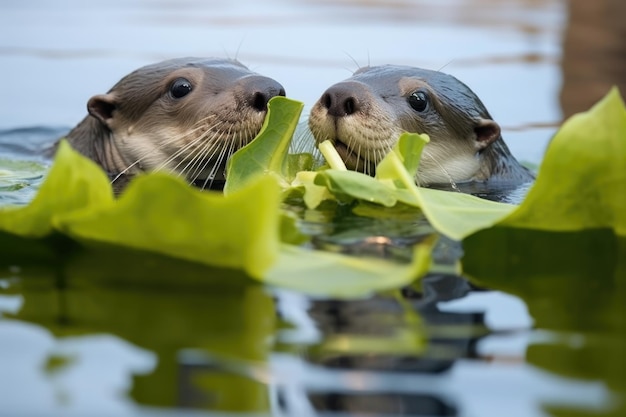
{"x": 184, "y": 115}
{"x": 364, "y": 115}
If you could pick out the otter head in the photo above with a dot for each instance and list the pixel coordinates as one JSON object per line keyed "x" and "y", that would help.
{"x": 364, "y": 116}
{"x": 184, "y": 115}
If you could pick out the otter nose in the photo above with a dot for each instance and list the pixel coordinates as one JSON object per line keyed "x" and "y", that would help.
{"x": 343, "y": 99}
{"x": 261, "y": 90}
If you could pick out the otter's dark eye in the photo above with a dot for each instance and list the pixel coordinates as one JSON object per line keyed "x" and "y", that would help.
{"x": 180, "y": 88}
{"x": 419, "y": 101}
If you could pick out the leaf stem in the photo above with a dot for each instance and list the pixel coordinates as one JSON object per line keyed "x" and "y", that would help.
{"x": 401, "y": 172}
{"x": 332, "y": 157}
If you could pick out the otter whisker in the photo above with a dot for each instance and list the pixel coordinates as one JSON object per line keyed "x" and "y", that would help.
{"x": 201, "y": 126}
{"x": 220, "y": 152}
{"x": 465, "y": 142}
{"x": 210, "y": 133}
{"x": 379, "y": 154}
{"x": 203, "y": 155}
{"x": 358, "y": 158}
{"x": 366, "y": 165}
{"x": 170, "y": 141}
{"x": 155, "y": 128}
{"x": 236, "y": 144}
{"x": 218, "y": 163}
{"x": 198, "y": 145}
{"x": 213, "y": 150}
{"x": 351, "y": 148}
{"x": 303, "y": 140}
{"x": 196, "y": 167}
{"x": 196, "y": 156}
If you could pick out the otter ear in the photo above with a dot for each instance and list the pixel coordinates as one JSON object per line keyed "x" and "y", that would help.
{"x": 486, "y": 132}
{"x": 101, "y": 107}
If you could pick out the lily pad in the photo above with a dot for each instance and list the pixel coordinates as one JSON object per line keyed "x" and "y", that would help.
{"x": 163, "y": 214}
{"x": 73, "y": 183}
{"x": 581, "y": 183}
{"x": 563, "y": 251}
{"x": 329, "y": 274}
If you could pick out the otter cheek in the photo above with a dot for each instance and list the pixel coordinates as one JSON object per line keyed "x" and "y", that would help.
{"x": 318, "y": 118}
{"x": 321, "y": 127}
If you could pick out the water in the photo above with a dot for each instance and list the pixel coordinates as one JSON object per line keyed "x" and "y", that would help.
{"x": 56, "y": 56}
{"x": 110, "y": 337}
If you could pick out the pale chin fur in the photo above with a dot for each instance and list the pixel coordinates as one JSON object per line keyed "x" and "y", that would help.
{"x": 440, "y": 167}
{"x": 146, "y": 151}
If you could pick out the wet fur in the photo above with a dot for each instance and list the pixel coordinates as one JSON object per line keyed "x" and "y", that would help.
{"x": 137, "y": 126}
{"x": 466, "y": 144}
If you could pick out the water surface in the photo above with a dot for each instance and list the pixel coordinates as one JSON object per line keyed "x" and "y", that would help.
{"x": 114, "y": 336}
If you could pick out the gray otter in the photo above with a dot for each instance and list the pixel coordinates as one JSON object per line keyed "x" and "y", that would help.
{"x": 364, "y": 115}
{"x": 185, "y": 115}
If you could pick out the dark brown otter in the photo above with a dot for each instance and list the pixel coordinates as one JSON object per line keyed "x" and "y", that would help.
{"x": 185, "y": 115}
{"x": 364, "y": 115}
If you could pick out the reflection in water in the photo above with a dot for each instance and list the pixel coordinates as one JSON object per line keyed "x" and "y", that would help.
{"x": 158, "y": 304}
{"x": 574, "y": 284}
{"x": 220, "y": 383}
{"x": 437, "y": 338}
{"x": 382, "y": 404}
{"x": 220, "y": 345}
{"x": 80, "y": 374}
{"x": 384, "y": 334}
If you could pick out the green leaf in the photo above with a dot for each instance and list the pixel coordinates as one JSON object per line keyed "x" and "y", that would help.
{"x": 408, "y": 151}
{"x": 455, "y": 215}
{"x": 563, "y": 251}
{"x": 348, "y": 185}
{"x": 578, "y": 186}
{"x": 329, "y": 274}
{"x": 289, "y": 232}
{"x": 295, "y": 163}
{"x": 458, "y": 215}
{"x": 581, "y": 183}
{"x": 163, "y": 214}
{"x": 333, "y": 159}
{"x": 73, "y": 183}
{"x": 267, "y": 153}
{"x": 313, "y": 194}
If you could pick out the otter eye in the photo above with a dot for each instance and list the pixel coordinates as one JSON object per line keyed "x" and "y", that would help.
{"x": 180, "y": 88}
{"x": 418, "y": 100}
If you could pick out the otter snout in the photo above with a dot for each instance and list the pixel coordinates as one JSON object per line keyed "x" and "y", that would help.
{"x": 364, "y": 115}
{"x": 344, "y": 99}
{"x": 259, "y": 90}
